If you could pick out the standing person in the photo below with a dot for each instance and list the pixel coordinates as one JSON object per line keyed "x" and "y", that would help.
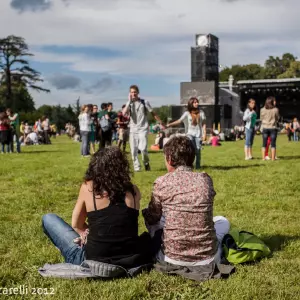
{"x": 84, "y": 126}
{"x": 267, "y": 157}
{"x": 195, "y": 121}
{"x": 5, "y": 133}
{"x": 105, "y": 125}
{"x": 15, "y": 126}
{"x": 269, "y": 116}
{"x": 122, "y": 122}
{"x": 46, "y": 129}
{"x": 249, "y": 117}
{"x": 113, "y": 118}
{"x": 295, "y": 129}
{"x": 137, "y": 108}
{"x": 94, "y": 127}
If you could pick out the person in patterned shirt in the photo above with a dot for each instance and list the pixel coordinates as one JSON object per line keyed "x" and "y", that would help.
{"x": 182, "y": 205}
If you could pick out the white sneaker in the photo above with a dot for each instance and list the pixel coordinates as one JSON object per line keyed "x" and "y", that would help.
{"x": 267, "y": 158}
{"x": 248, "y": 158}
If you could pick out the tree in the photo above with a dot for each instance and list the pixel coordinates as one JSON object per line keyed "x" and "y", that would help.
{"x": 15, "y": 68}
{"x": 21, "y": 98}
{"x": 243, "y": 72}
{"x": 275, "y": 66}
{"x": 292, "y": 72}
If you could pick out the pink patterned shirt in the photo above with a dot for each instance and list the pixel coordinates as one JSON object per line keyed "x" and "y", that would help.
{"x": 185, "y": 199}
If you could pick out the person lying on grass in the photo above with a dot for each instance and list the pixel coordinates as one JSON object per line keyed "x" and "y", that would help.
{"x": 182, "y": 205}
{"x": 110, "y": 203}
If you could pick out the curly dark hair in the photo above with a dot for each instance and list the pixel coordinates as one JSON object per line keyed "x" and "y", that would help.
{"x": 180, "y": 151}
{"x": 110, "y": 172}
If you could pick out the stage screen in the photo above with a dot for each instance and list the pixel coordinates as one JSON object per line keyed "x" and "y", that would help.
{"x": 203, "y": 91}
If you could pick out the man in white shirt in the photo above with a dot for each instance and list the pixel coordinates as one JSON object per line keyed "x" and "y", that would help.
{"x": 138, "y": 108}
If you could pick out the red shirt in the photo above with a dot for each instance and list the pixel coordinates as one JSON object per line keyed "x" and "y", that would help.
{"x": 4, "y": 127}
{"x": 123, "y": 121}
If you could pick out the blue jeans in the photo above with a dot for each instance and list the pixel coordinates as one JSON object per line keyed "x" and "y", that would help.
{"x": 62, "y": 235}
{"x": 7, "y": 148}
{"x": 249, "y": 137}
{"x": 272, "y": 133}
{"x": 84, "y": 143}
{"x": 197, "y": 145}
{"x": 296, "y": 138}
{"x": 16, "y": 135}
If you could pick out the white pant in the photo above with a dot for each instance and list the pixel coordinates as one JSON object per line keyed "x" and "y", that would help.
{"x": 138, "y": 141}
{"x": 222, "y": 227}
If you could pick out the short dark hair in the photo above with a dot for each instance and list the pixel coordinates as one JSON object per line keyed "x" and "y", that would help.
{"x": 109, "y": 104}
{"x": 104, "y": 106}
{"x": 180, "y": 151}
{"x": 135, "y": 87}
{"x": 269, "y": 104}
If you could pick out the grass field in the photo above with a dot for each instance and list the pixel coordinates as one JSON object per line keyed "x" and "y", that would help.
{"x": 258, "y": 196}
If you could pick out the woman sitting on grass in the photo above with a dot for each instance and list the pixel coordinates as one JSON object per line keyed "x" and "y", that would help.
{"x": 110, "y": 203}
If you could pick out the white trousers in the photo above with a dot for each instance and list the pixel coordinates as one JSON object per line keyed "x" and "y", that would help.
{"x": 139, "y": 141}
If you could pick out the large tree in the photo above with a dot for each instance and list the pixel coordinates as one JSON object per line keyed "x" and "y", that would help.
{"x": 15, "y": 68}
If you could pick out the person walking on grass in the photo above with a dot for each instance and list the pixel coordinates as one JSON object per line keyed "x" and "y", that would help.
{"x": 137, "y": 109}
{"x": 250, "y": 117}
{"x": 15, "y": 127}
{"x": 269, "y": 116}
{"x": 196, "y": 126}
{"x": 85, "y": 127}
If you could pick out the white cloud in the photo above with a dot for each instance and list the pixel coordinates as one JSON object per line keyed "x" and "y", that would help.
{"x": 157, "y": 34}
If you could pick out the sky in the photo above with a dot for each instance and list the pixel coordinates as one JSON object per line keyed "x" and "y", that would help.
{"x": 95, "y": 49}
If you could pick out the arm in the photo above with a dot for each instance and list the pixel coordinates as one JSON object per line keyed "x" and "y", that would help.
{"x": 247, "y": 115}
{"x": 79, "y": 213}
{"x": 175, "y": 123}
{"x": 14, "y": 117}
{"x": 156, "y": 117}
{"x": 203, "y": 125}
{"x": 153, "y": 213}
{"x": 126, "y": 109}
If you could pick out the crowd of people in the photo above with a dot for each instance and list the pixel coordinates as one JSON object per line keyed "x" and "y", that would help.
{"x": 13, "y": 132}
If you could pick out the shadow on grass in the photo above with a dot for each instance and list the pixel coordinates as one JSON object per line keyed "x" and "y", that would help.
{"x": 289, "y": 157}
{"x": 41, "y": 151}
{"x": 278, "y": 242}
{"x": 222, "y": 168}
{"x": 226, "y": 168}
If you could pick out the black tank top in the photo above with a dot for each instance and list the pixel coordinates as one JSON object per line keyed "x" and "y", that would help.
{"x": 113, "y": 235}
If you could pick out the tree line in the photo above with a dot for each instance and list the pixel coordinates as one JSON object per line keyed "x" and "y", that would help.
{"x": 286, "y": 66}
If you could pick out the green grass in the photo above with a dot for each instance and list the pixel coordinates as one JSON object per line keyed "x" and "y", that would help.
{"x": 261, "y": 197}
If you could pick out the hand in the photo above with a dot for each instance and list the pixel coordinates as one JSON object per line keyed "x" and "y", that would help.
{"x": 129, "y": 97}
{"x": 81, "y": 241}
